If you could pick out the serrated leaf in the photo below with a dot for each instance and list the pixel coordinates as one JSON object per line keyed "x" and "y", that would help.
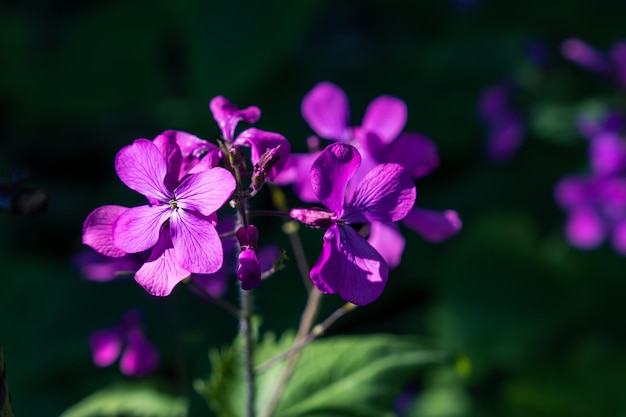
{"x": 340, "y": 376}
{"x": 129, "y": 400}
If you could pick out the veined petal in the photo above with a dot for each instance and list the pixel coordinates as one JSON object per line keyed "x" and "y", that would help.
{"x": 325, "y": 108}
{"x": 137, "y": 229}
{"x": 385, "y": 116}
{"x": 415, "y": 152}
{"x": 98, "y": 230}
{"x": 142, "y": 167}
{"x": 388, "y": 241}
{"x": 197, "y": 154}
{"x": 169, "y": 148}
{"x": 386, "y": 193}
{"x": 227, "y": 115}
{"x": 160, "y": 274}
{"x": 331, "y": 172}
{"x": 206, "y": 191}
{"x": 197, "y": 246}
{"x": 433, "y": 226}
{"x": 260, "y": 141}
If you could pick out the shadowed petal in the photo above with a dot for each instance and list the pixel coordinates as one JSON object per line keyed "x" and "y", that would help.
{"x": 607, "y": 153}
{"x": 206, "y": 191}
{"x": 98, "y": 230}
{"x": 585, "y": 55}
{"x": 415, "y": 152}
{"x": 142, "y": 167}
{"x": 160, "y": 274}
{"x": 105, "y": 346}
{"x": 140, "y": 357}
{"x": 573, "y": 190}
{"x": 388, "y": 241}
{"x": 331, "y": 172}
{"x": 618, "y": 239}
{"x": 169, "y": 148}
{"x": 97, "y": 267}
{"x": 260, "y": 141}
{"x": 197, "y": 154}
{"x": 325, "y": 108}
{"x": 297, "y": 171}
{"x": 584, "y": 228}
{"x": 197, "y": 245}
{"x": 385, "y": 116}
{"x": 433, "y": 226}
{"x": 386, "y": 193}
{"x": 227, "y": 115}
{"x": 137, "y": 229}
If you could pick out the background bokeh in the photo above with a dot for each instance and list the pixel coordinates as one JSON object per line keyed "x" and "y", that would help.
{"x": 541, "y": 324}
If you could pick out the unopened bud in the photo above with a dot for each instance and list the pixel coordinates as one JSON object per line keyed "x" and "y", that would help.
{"x": 249, "y": 270}
{"x": 248, "y": 237}
{"x": 314, "y": 217}
{"x": 263, "y": 167}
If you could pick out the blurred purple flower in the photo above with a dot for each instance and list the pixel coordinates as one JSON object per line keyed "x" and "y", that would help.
{"x": 610, "y": 64}
{"x": 138, "y": 357}
{"x": 385, "y": 194}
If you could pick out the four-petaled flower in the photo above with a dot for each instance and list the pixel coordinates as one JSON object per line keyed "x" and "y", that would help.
{"x": 349, "y": 265}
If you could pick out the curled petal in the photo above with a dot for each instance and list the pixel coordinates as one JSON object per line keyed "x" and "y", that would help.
{"x": 386, "y": 194}
{"x": 160, "y": 274}
{"x": 137, "y": 229}
{"x": 142, "y": 167}
{"x": 105, "y": 346}
{"x": 388, "y": 241}
{"x": 585, "y": 228}
{"x": 325, "y": 108}
{"x": 260, "y": 141}
{"x": 227, "y": 116}
{"x": 331, "y": 172}
{"x": 197, "y": 245}
{"x": 98, "y": 230}
{"x": 432, "y": 225}
{"x": 415, "y": 152}
{"x": 350, "y": 267}
{"x": 385, "y": 116}
{"x": 206, "y": 191}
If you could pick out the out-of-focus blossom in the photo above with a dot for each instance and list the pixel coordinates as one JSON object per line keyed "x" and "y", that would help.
{"x": 610, "y": 64}
{"x": 385, "y": 194}
{"x": 138, "y": 357}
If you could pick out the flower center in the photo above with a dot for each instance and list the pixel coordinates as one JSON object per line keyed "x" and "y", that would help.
{"x": 173, "y": 204}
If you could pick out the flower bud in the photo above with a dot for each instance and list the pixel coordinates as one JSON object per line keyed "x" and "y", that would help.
{"x": 248, "y": 237}
{"x": 249, "y": 270}
{"x": 313, "y": 217}
{"x": 263, "y": 167}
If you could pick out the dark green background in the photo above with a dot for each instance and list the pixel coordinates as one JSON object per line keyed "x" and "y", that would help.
{"x": 542, "y": 323}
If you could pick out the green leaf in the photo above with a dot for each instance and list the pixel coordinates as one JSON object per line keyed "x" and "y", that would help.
{"x": 344, "y": 376}
{"x": 131, "y": 400}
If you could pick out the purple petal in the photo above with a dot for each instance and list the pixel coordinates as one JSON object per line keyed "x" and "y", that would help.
{"x": 97, "y": 267}
{"x": 607, "y": 153}
{"x": 331, "y": 172}
{"x": 494, "y": 102}
{"x": 504, "y": 138}
{"x": 297, "y": 171}
{"x": 206, "y": 191}
{"x": 386, "y": 194}
{"x": 214, "y": 284}
{"x": 385, "y": 116}
{"x": 363, "y": 271}
{"x": 584, "y": 228}
{"x": 618, "y": 238}
{"x": 415, "y": 152}
{"x": 197, "y": 246}
{"x": 227, "y": 116}
{"x": 142, "y": 167}
{"x": 137, "y": 229}
{"x": 388, "y": 241}
{"x": 432, "y": 225}
{"x": 140, "y": 357}
{"x": 325, "y": 108}
{"x": 197, "y": 154}
{"x": 617, "y": 54}
{"x": 573, "y": 190}
{"x": 169, "y": 148}
{"x": 260, "y": 141}
{"x": 267, "y": 255}
{"x": 249, "y": 270}
{"x": 105, "y": 346}
{"x": 160, "y": 274}
{"x": 98, "y": 230}
{"x": 584, "y": 55}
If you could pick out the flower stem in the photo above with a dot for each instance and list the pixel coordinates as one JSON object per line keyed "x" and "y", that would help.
{"x": 245, "y": 329}
{"x": 228, "y": 307}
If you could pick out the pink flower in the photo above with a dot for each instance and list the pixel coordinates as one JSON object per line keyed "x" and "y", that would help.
{"x": 349, "y": 265}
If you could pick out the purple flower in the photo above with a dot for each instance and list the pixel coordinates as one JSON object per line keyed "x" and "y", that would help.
{"x": 227, "y": 116}
{"x": 611, "y": 64}
{"x": 138, "y": 357}
{"x": 249, "y": 270}
{"x": 349, "y": 265}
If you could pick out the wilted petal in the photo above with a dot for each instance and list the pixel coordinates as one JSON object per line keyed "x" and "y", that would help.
{"x": 140, "y": 357}
{"x": 386, "y": 194}
{"x": 385, "y": 116}
{"x": 137, "y": 228}
{"x": 227, "y": 116}
{"x": 206, "y": 191}
{"x": 415, "y": 152}
{"x": 169, "y": 148}
{"x": 142, "y": 167}
{"x": 331, "y": 172}
{"x": 325, "y": 108}
{"x": 260, "y": 141}
{"x": 433, "y": 226}
{"x": 388, "y": 241}
{"x": 197, "y": 245}
{"x": 160, "y": 274}
{"x": 105, "y": 346}
{"x": 585, "y": 229}
{"x": 98, "y": 230}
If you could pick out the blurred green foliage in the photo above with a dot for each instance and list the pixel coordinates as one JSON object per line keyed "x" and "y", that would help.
{"x": 541, "y": 323}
